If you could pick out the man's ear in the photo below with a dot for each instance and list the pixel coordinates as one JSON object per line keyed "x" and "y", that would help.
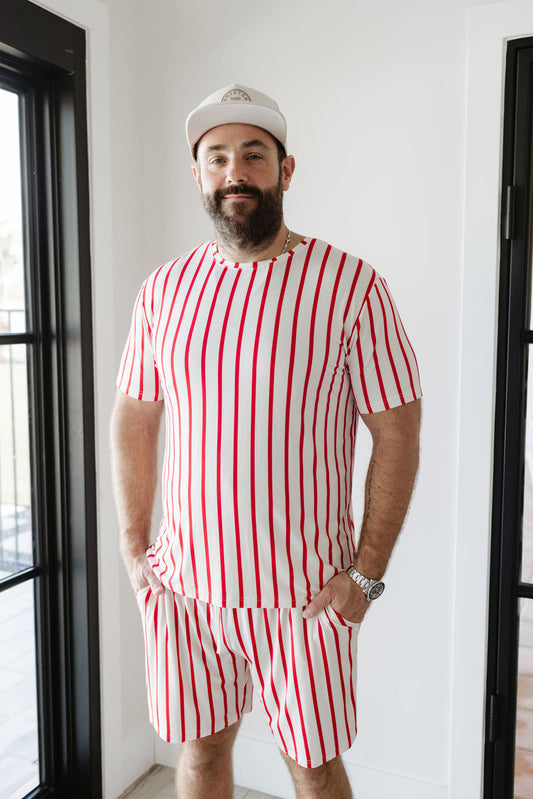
{"x": 197, "y": 177}
{"x": 287, "y": 171}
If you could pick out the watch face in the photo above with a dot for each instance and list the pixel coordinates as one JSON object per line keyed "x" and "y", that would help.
{"x": 376, "y": 590}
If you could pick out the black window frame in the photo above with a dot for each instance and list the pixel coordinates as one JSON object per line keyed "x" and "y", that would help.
{"x": 44, "y": 56}
{"x": 515, "y": 337}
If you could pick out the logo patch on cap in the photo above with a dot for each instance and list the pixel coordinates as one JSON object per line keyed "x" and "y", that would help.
{"x": 236, "y": 96}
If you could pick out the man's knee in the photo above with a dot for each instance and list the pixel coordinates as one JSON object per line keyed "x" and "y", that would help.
{"x": 328, "y": 779}
{"x": 209, "y": 752}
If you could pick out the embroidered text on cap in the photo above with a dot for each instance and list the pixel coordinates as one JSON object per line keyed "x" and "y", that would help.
{"x": 236, "y": 96}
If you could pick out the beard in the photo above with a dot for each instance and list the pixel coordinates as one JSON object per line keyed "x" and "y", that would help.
{"x": 252, "y": 229}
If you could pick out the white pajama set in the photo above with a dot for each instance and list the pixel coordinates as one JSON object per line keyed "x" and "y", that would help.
{"x": 263, "y": 369}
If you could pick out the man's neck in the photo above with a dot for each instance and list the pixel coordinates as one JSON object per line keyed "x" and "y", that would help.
{"x": 247, "y": 254}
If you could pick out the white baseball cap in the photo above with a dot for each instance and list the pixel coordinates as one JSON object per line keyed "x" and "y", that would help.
{"x": 236, "y": 103}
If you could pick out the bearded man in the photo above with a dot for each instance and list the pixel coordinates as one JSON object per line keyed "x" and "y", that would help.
{"x": 263, "y": 348}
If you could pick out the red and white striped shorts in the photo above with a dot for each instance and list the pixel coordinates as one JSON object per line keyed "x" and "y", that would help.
{"x": 203, "y": 663}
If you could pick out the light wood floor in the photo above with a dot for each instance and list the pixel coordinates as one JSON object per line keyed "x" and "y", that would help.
{"x": 158, "y": 783}
{"x": 523, "y": 785}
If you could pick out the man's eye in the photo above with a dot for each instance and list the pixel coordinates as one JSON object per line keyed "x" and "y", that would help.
{"x": 253, "y": 156}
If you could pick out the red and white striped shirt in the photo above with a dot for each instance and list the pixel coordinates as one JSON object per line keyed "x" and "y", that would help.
{"x": 263, "y": 368}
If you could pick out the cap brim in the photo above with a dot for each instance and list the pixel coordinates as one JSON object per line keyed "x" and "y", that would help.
{"x": 207, "y": 117}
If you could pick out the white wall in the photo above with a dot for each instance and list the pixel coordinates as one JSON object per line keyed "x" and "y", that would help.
{"x": 128, "y": 746}
{"x": 489, "y": 28}
{"x": 375, "y": 94}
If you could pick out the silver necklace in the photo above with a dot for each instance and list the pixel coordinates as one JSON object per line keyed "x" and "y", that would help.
{"x": 286, "y": 241}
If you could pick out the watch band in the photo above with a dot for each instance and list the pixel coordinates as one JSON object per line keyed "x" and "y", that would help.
{"x": 372, "y": 589}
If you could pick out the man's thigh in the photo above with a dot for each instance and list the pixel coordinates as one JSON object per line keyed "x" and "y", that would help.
{"x": 201, "y": 661}
{"x": 196, "y": 686}
{"x": 305, "y": 671}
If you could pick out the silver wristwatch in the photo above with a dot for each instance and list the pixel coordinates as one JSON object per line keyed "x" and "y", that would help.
{"x": 372, "y": 589}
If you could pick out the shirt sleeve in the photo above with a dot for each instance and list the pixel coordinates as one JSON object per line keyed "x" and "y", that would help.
{"x": 380, "y": 359}
{"x": 138, "y": 376}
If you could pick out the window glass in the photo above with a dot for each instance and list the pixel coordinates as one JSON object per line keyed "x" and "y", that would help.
{"x": 16, "y": 535}
{"x": 12, "y": 284}
{"x": 19, "y": 749}
{"x": 524, "y": 715}
{"x": 527, "y": 517}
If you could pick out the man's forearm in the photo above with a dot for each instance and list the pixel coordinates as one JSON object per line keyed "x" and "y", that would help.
{"x": 389, "y": 485}
{"x": 134, "y": 439}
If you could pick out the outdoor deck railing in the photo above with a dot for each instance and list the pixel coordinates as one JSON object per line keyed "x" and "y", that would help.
{"x": 15, "y": 510}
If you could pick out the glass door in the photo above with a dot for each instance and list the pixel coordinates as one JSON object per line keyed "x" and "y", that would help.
{"x": 509, "y": 709}
{"x": 523, "y": 780}
{"x": 19, "y": 568}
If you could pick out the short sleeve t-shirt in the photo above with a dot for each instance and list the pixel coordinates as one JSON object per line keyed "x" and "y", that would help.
{"x": 263, "y": 369}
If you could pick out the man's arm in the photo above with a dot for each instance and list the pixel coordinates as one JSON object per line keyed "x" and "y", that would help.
{"x": 389, "y": 484}
{"x": 134, "y": 435}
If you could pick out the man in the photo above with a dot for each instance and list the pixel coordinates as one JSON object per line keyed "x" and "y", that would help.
{"x": 263, "y": 348}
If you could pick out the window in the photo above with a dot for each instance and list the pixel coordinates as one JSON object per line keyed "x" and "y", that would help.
{"x": 49, "y": 676}
{"x": 509, "y": 713}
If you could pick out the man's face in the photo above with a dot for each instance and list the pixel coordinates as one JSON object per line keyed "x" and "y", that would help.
{"x": 242, "y": 183}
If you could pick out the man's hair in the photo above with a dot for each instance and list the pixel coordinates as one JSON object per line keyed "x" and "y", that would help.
{"x": 282, "y": 153}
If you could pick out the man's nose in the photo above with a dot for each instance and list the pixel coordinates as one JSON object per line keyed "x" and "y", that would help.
{"x": 235, "y": 171}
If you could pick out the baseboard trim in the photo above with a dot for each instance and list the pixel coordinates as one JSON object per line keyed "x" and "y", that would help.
{"x": 259, "y": 767}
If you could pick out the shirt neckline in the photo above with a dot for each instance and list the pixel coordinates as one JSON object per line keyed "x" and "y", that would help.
{"x": 253, "y": 264}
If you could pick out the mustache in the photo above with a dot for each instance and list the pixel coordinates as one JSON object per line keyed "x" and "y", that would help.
{"x": 240, "y": 189}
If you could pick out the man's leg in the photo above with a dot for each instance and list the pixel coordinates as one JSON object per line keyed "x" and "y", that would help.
{"x": 205, "y": 767}
{"x": 329, "y": 781}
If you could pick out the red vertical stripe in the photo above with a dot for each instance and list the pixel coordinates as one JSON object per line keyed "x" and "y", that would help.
{"x": 329, "y": 688}
{"x": 204, "y": 435}
{"x": 219, "y": 446}
{"x": 148, "y": 627}
{"x": 238, "y": 705}
{"x": 388, "y": 346}
{"x": 208, "y": 685}
{"x": 297, "y": 691}
{"x": 266, "y": 622}
{"x": 179, "y": 677}
{"x": 156, "y": 650}
{"x": 236, "y": 437}
{"x": 167, "y": 689}
{"x": 404, "y": 343}
{"x": 305, "y": 565}
{"x": 324, "y": 530}
{"x": 194, "y": 704}
{"x": 376, "y": 361}
{"x": 209, "y": 610}
{"x": 175, "y": 494}
{"x": 191, "y": 436}
{"x": 274, "y": 554}
{"x": 368, "y": 408}
{"x": 253, "y": 504}
{"x": 352, "y": 687}
{"x": 281, "y": 649}
{"x": 314, "y": 691}
{"x": 256, "y": 660}
{"x": 292, "y": 358}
